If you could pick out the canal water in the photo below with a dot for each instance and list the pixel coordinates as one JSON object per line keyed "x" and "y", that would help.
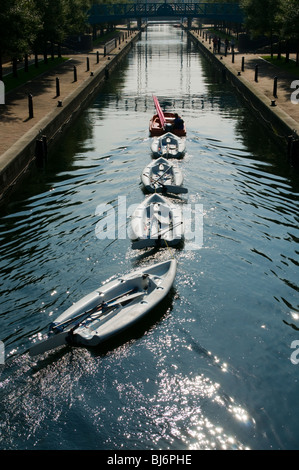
{"x": 216, "y": 366}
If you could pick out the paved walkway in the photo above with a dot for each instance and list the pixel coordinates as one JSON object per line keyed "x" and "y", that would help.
{"x": 266, "y": 74}
{"x": 14, "y": 115}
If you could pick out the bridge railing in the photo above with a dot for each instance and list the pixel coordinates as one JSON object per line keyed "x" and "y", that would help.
{"x": 225, "y": 11}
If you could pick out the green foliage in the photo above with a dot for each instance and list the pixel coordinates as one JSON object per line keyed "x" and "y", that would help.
{"x": 261, "y": 16}
{"x": 24, "y": 23}
{"x": 12, "y": 82}
{"x": 289, "y": 19}
{"x": 290, "y": 66}
{"x": 268, "y": 17}
{"x": 19, "y": 23}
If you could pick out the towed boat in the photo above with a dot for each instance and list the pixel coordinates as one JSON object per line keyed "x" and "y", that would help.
{"x": 161, "y": 122}
{"x": 110, "y": 309}
{"x": 156, "y": 128}
{"x": 168, "y": 145}
{"x": 157, "y": 222}
{"x": 163, "y": 176}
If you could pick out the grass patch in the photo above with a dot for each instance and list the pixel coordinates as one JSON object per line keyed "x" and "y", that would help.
{"x": 223, "y": 35}
{"x": 289, "y": 67}
{"x": 105, "y": 38}
{"x": 12, "y": 82}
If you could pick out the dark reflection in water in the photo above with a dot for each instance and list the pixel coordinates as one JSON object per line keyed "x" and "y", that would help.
{"x": 211, "y": 368}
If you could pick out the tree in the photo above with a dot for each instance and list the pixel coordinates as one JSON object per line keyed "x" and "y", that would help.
{"x": 60, "y": 19}
{"x": 76, "y": 15}
{"x": 262, "y": 17}
{"x": 19, "y": 25}
{"x": 52, "y": 15}
{"x": 289, "y": 18}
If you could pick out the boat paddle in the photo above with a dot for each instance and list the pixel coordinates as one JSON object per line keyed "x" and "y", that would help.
{"x": 152, "y": 242}
{"x": 167, "y": 187}
{"x": 66, "y": 328}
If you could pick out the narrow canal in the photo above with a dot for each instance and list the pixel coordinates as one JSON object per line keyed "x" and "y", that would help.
{"x": 211, "y": 369}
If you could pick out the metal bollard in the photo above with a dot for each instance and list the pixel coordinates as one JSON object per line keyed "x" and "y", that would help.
{"x": 275, "y": 87}
{"x": 30, "y": 106}
{"x": 57, "y": 87}
{"x": 40, "y": 152}
{"x": 243, "y": 64}
{"x": 256, "y": 73}
{"x": 293, "y": 150}
{"x": 233, "y": 57}
{"x": 87, "y": 64}
{"x": 98, "y": 57}
{"x": 75, "y": 74}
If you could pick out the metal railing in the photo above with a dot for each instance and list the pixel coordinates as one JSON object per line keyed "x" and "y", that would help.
{"x": 216, "y": 11}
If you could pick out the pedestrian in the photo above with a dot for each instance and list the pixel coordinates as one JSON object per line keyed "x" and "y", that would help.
{"x": 232, "y": 45}
{"x": 215, "y": 42}
{"x": 178, "y": 122}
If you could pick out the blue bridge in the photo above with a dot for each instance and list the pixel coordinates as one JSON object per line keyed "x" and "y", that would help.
{"x": 136, "y": 11}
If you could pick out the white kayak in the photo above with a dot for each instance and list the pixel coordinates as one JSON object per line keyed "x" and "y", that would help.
{"x": 163, "y": 176}
{"x": 168, "y": 145}
{"x": 110, "y": 309}
{"x": 156, "y": 222}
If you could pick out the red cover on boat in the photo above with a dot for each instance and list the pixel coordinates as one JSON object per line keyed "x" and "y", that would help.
{"x": 159, "y": 111}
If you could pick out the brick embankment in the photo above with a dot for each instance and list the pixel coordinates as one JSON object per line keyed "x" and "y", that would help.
{"x": 279, "y": 112}
{"x": 19, "y": 132}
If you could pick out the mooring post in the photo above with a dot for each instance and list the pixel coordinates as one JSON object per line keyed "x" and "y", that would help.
{"x": 45, "y": 146}
{"x": 256, "y": 73}
{"x": 57, "y": 87}
{"x": 293, "y": 150}
{"x": 30, "y": 106}
{"x": 39, "y": 152}
{"x": 275, "y": 87}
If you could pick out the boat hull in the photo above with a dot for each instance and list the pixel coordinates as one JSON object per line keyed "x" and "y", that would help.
{"x": 157, "y": 222}
{"x": 168, "y": 145}
{"x": 93, "y": 332}
{"x": 155, "y": 128}
{"x": 163, "y": 176}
